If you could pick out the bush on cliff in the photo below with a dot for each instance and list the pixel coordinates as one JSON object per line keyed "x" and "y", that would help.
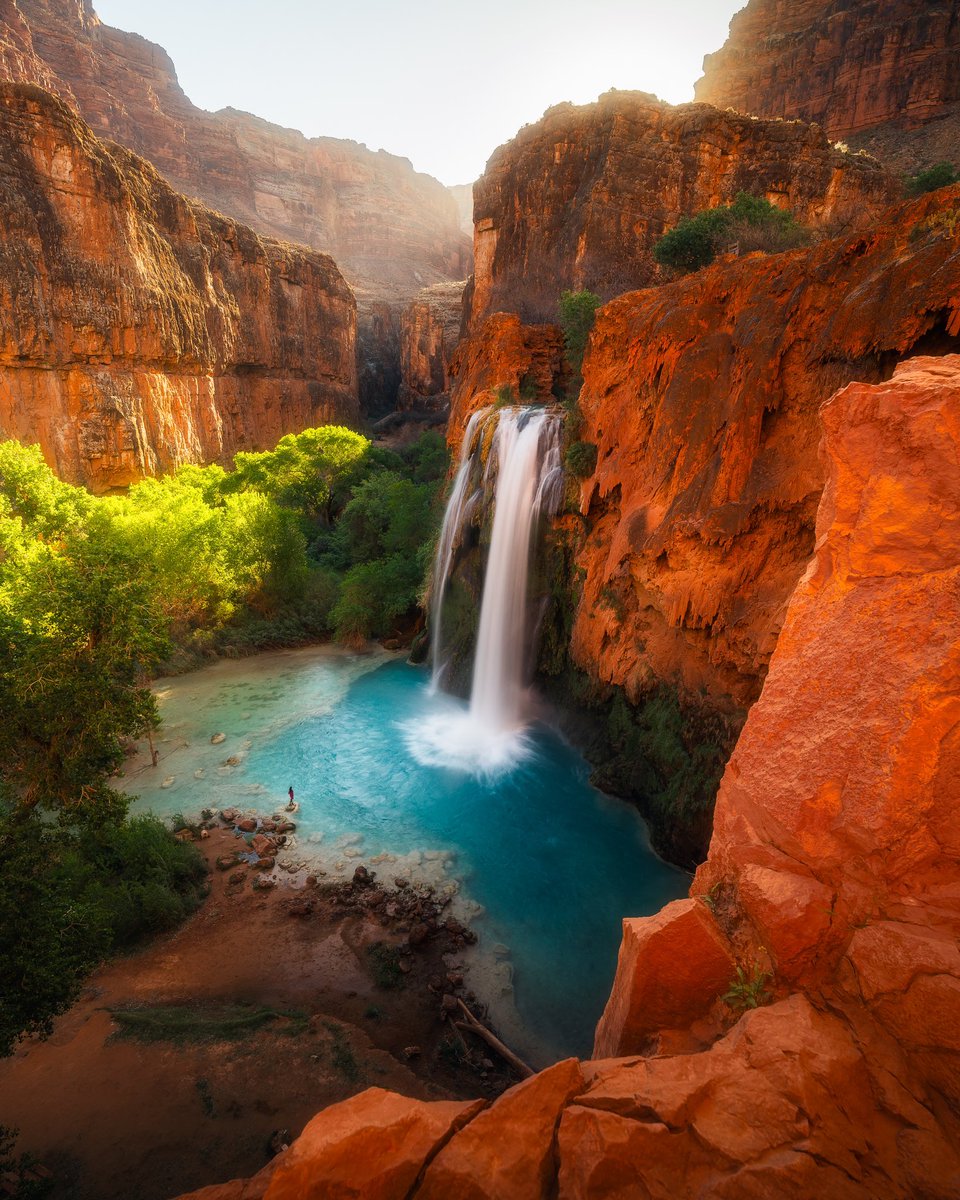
{"x": 581, "y": 459}
{"x": 750, "y": 223}
{"x": 578, "y": 310}
{"x": 941, "y": 175}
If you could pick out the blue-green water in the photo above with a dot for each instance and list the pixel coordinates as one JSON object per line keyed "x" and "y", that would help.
{"x": 554, "y": 864}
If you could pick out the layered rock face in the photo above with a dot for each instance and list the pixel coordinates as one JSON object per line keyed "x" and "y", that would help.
{"x": 429, "y": 335}
{"x": 702, "y": 399}
{"x": 835, "y": 853}
{"x": 390, "y": 229}
{"x": 872, "y": 73}
{"x": 139, "y": 330}
{"x": 580, "y": 198}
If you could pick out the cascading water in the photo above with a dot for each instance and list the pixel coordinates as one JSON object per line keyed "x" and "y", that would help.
{"x": 529, "y": 484}
{"x": 459, "y": 507}
{"x": 524, "y": 470}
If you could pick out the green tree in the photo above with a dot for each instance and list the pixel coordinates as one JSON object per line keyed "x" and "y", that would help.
{"x": 309, "y": 471}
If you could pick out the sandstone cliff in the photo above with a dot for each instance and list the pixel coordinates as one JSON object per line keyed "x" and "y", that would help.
{"x": 139, "y": 330}
{"x": 881, "y": 74}
{"x": 702, "y": 399}
{"x": 429, "y": 334}
{"x": 580, "y": 198}
{"x": 832, "y": 881}
{"x": 391, "y": 229}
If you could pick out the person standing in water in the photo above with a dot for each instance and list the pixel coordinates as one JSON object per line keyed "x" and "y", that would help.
{"x": 291, "y": 807}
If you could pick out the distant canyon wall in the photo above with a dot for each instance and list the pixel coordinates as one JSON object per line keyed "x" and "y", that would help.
{"x": 140, "y": 330}
{"x": 881, "y": 74}
{"x": 391, "y": 230}
{"x": 580, "y": 198}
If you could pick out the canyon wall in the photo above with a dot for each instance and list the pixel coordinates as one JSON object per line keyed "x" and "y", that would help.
{"x": 139, "y": 330}
{"x": 702, "y": 398}
{"x": 579, "y": 199}
{"x": 832, "y": 882}
{"x": 429, "y": 335}
{"x": 391, "y": 229}
{"x": 880, "y": 74}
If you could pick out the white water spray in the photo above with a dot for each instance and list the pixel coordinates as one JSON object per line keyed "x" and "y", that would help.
{"x": 524, "y": 466}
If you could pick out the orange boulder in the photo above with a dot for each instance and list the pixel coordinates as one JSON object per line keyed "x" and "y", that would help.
{"x": 371, "y": 1147}
{"x": 672, "y": 966}
{"x": 507, "y": 1152}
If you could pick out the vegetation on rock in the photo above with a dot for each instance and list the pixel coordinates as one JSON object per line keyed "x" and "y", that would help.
{"x": 940, "y": 175}
{"x": 577, "y": 313}
{"x": 750, "y": 223}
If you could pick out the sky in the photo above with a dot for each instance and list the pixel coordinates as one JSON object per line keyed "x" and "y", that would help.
{"x": 441, "y": 82}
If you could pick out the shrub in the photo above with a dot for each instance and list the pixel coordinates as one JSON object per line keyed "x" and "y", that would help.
{"x": 581, "y": 459}
{"x": 751, "y": 222}
{"x": 578, "y": 310}
{"x": 938, "y": 176}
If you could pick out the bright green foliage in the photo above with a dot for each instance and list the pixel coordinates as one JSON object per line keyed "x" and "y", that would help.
{"x": 309, "y": 471}
{"x": 578, "y": 311}
{"x": 750, "y": 223}
{"x": 941, "y": 175}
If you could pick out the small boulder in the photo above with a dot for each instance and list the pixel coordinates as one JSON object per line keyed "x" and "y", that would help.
{"x": 218, "y": 738}
{"x": 419, "y": 932}
{"x": 247, "y": 825}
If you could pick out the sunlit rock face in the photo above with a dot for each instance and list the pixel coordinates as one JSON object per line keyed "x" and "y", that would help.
{"x": 844, "y": 789}
{"x": 390, "y": 229}
{"x": 580, "y": 198}
{"x": 702, "y": 398}
{"x": 881, "y": 74}
{"x": 429, "y": 334}
{"x": 139, "y": 330}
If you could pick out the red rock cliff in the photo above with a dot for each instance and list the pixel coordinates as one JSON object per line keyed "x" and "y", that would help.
{"x": 702, "y": 398}
{"x": 835, "y": 848}
{"x": 391, "y": 229}
{"x": 429, "y": 335}
{"x": 139, "y": 330}
{"x": 580, "y": 198}
{"x": 873, "y": 72}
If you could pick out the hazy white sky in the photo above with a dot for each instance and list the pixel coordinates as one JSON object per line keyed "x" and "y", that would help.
{"x": 440, "y": 83}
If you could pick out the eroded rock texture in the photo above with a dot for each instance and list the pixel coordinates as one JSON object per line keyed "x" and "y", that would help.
{"x": 139, "y": 330}
{"x": 429, "y": 335}
{"x": 580, "y": 198}
{"x": 835, "y": 866}
{"x": 881, "y": 74}
{"x": 702, "y": 397}
{"x": 391, "y": 229}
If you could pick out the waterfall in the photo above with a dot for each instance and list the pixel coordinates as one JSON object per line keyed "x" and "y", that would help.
{"x": 523, "y": 479}
{"x": 458, "y": 509}
{"x": 529, "y": 480}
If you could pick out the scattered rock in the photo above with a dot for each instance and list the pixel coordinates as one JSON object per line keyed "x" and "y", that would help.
{"x": 247, "y": 825}
{"x": 412, "y": 1052}
{"x": 362, "y": 876}
{"x": 237, "y": 877}
{"x": 263, "y": 883}
{"x": 449, "y": 1003}
{"x": 401, "y": 883}
{"x": 218, "y": 738}
{"x": 225, "y": 861}
{"x": 169, "y": 781}
{"x": 419, "y": 932}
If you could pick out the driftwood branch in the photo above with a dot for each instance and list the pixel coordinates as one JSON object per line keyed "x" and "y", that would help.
{"x": 493, "y": 1041}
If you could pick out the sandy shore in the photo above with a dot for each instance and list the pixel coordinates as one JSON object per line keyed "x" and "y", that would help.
{"x": 115, "y": 1117}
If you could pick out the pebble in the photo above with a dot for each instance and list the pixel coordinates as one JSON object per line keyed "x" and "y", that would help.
{"x": 169, "y": 781}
